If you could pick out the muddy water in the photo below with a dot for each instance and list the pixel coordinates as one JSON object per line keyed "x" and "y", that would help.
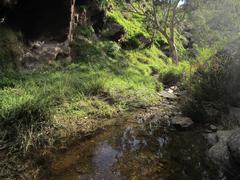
{"x": 132, "y": 149}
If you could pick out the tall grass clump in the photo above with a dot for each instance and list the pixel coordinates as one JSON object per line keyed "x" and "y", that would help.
{"x": 21, "y": 114}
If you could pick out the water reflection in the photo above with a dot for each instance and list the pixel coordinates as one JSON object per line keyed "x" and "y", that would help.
{"x": 139, "y": 151}
{"x": 104, "y": 157}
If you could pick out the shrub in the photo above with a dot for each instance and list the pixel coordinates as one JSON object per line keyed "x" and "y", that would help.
{"x": 86, "y": 31}
{"x": 170, "y": 78}
{"x": 111, "y": 49}
{"x": 215, "y": 87}
{"x": 84, "y": 50}
{"x": 134, "y": 42}
{"x": 11, "y": 49}
{"x": 173, "y": 74}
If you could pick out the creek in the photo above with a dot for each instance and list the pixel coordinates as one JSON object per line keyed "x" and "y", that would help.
{"x": 136, "y": 148}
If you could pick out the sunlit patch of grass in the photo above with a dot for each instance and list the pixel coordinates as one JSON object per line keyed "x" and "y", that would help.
{"x": 132, "y": 23}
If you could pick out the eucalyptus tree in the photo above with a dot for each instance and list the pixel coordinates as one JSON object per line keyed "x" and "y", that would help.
{"x": 161, "y": 16}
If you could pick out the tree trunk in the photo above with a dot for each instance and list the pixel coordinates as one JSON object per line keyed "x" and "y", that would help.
{"x": 173, "y": 49}
{"x": 72, "y": 21}
{"x": 172, "y": 45}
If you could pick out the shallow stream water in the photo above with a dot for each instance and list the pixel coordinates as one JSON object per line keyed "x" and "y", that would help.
{"x": 133, "y": 149}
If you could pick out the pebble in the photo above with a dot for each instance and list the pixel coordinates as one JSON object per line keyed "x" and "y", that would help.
{"x": 80, "y": 171}
{"x": 174, "y": 88}
{"x": 182, "y": 122}
{"x": 170, "y": 91}
{"x": 63, "y": 148}
{"x": 166, "y": 117}
{"x": 213, "y": 128}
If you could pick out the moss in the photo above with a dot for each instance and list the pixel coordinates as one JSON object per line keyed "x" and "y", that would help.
{"x": 132, "y": 23}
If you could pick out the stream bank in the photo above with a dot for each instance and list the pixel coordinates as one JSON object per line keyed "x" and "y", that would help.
{"x": 155, "y": 142}
{"x": 148, "y": 144}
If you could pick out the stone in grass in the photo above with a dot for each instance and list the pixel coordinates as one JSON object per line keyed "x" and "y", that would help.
{"x": 182, "y": 122}
{"x": 167, "y": 95}
{"x": 212, "y": 128}
{"x": 219, "y": 154}
{"x": 233, "y": 144}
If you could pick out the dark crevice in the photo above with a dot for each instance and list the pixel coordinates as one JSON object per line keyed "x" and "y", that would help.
{"x": 40, "y": 19}
{"x": 96, "y": 16}
{"x": 98, "y": 19}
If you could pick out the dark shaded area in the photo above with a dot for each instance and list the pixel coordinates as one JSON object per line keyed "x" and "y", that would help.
{"x": 216, "y": 85}
{"x": 137, "y": 41}
{"x": 98, "y": 19}
{"x": 39, "y": 19}
{"x": 163, "y": 46}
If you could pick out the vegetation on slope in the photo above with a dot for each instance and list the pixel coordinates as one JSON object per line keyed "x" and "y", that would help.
{"x": 47, "y": 107}
{"x": 214, "y": 83}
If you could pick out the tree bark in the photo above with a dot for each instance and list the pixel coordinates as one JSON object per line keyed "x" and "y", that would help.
{"x": 173, "y": 48}
{"x": 172, "y": 44}
{"x": 72, "y": 21}
{"x": 171, "y": 41}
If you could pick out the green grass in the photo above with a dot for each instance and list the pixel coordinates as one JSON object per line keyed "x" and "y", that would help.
{"x": 132, "y": 23}
{"x": 101, "y": 82}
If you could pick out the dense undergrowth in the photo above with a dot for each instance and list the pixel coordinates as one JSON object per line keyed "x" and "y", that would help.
{"x": 215, "y": 86}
